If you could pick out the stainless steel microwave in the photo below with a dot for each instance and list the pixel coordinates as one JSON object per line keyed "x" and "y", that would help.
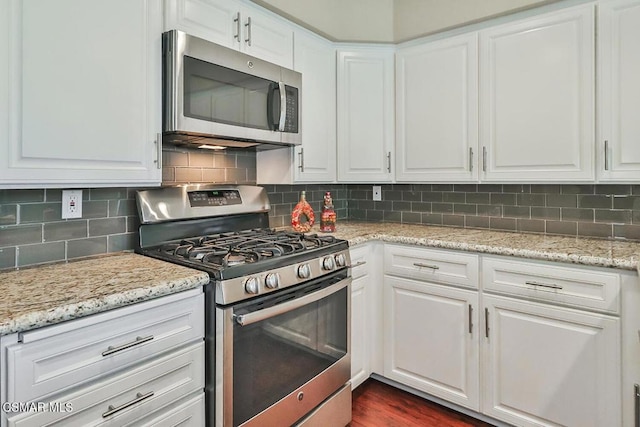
{"x": 216, "y": 96}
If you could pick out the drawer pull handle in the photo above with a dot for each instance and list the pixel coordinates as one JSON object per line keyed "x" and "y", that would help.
{"x": 543, "y": 285}
{"x": 138, "y": 341}
{"x": 357, "y": 264}
{"x": 139, "y": 398}
{"x": 419, "y": 264}
{"x": 486, "y": 322}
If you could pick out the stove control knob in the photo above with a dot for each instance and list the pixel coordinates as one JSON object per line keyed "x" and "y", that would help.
{"x": 272, "y": 281}
{"x": 251, "y": 285}
{"x": 341, "y": 261}
{"x": 328, "y": 263}
{"x": 304, "y": 271}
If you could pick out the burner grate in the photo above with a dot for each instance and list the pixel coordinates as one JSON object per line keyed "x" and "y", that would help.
{"x": 223, "y": 250}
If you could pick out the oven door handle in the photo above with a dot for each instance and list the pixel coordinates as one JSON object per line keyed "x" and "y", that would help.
{"x": 260, "y": 315}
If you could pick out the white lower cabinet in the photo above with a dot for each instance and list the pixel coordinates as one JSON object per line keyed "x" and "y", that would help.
{"x": 431, "y": 339}
{"x": 137, "y": 365}
{"x": 365, "y": 316}
{"x": 550, "y": 366}
{"x": 529, "y": 343}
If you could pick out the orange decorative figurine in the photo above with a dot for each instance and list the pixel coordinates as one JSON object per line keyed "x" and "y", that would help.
{"x": 302, "y": 217}
{"x": 328, "y": 216}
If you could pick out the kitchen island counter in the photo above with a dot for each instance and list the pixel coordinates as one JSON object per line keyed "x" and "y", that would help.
{"x": 45, "y": 295}
{"x": 591, "y": 252}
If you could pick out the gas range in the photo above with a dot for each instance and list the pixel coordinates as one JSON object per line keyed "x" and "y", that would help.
{"x": 276, "y": 308}
{"x": 221, "y": 230}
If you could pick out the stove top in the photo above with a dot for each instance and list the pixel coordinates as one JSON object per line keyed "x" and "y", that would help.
{"x": 255, "y": 249}
{"x": 223, "y": 230}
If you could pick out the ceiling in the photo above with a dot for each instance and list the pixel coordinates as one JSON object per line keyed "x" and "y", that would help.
{"x": 390, "y": 21}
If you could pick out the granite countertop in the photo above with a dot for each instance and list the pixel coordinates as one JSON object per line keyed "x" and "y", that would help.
{"x": 593, "y": 252}
{"x": 41, "y": 296}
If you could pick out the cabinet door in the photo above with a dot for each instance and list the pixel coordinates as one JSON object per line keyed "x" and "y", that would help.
{"x": 365, "y": 114}
{"x": 314, "y": 160}
{"x": 216, "y": 20}
{"x": 437, "y": 110}
{"x": 362, "y": 312}
{"x": 266, "y": 37}
{"x": 546, "y": 366}
{"x": 431, "y": 339}
{"x": 537, "y": 98}
{"x": 360, "y": 345}
{"x": 619, "y": 101}
{"x": 80, "y": 93}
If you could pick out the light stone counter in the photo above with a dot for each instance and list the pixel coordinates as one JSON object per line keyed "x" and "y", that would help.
{"x": 41, "y": 296}
{"x": 594, "y": 252}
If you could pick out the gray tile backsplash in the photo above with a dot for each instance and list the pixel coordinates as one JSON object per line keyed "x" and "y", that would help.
{"x": 602, "y": 211}
{"x": 32, "y": 230}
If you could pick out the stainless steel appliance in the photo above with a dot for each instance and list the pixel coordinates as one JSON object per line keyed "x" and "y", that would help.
{"x": 218, "y": 96}
{"x": 277, "y": 305}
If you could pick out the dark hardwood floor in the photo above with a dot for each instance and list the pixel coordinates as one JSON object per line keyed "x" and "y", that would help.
{"x": 378, "y": 404}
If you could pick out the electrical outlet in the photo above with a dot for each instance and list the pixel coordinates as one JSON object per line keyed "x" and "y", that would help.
{"x": 71, "y": 204}
{"x": 377, "y": 193}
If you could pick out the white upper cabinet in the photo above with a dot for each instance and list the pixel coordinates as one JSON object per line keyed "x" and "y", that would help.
{"x": 619, "y": 90}
{"x": 437, "y": 110}
{"x": 365, "y": 114}
{"x": 314, "y": 160}
{"x": 234, "y": 24}
{"x": 80, "y": 93}
{"x": 537, "y": 98}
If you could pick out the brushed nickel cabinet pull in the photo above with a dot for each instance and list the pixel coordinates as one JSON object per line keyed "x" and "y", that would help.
{"x": 138, "y": 341}
{"x": 248, "y": 25}
{"x": 301, "y": 158}
{"x": 419, "y": 264}
{"x": 470, "y": 320}
{"x": 486, "y": 322}
{"x": 113, "y": 409}
{"x": 158, "y": 160}
{"x": 606, "y": 155}
{"x": 636, "y": 399}
{"x": 389, "y": 162}
{"x": 237, "y": 21}
{"x": 484, "y": 159}
{"x": 470, "y": 159}
{"x": 543, "y": 285}
{"x": 357, "y": 264}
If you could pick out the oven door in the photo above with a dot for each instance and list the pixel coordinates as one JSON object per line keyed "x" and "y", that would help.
{"x": 280, "y": 356}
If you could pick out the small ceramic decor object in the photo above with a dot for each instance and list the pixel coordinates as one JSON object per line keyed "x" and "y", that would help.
{"x": 302, "y": 217}
{"x": 328, "y": 216}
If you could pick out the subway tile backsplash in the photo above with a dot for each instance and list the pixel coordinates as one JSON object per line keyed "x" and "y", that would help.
{"x": 32, "y": 231}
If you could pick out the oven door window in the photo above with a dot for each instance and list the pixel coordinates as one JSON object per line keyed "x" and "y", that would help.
{"x": 273, "y": 357}
{"x": 219, "y": 94}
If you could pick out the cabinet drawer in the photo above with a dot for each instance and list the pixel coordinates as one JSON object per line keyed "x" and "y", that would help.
{"x": 128, "y": 397}
{"x": 571, "y": 286}
{"x": 432, "y": 265}
{"x": 187, "y": 414}
{"x": 53, "y": 359}
{"x": 359, "y": 260}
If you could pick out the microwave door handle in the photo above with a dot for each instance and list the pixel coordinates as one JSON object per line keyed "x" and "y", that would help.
{"x": 267, "y": 313}
{"x": 283, "y": 106}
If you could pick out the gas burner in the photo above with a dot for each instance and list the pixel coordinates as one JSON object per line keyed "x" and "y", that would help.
{"x": 234, "y": 259}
